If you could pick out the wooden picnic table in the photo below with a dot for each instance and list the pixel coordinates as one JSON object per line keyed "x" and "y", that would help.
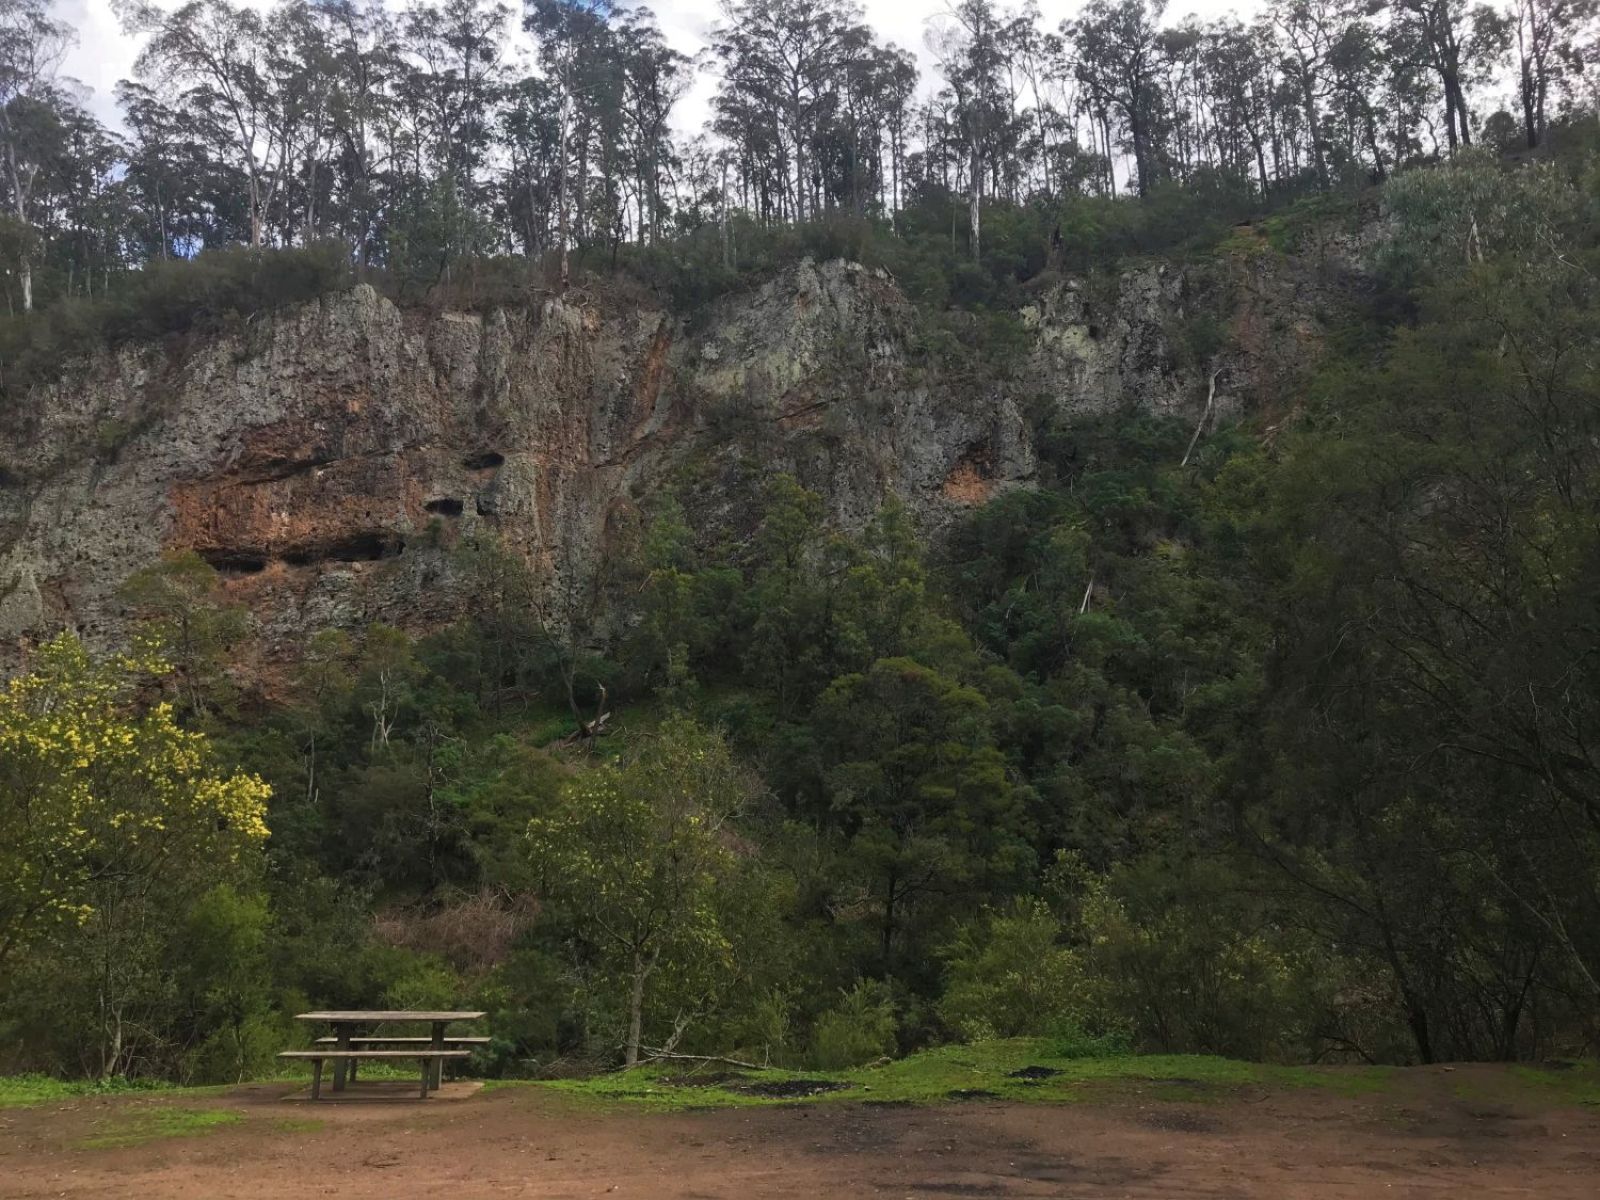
{"x": 346, "y": 1023}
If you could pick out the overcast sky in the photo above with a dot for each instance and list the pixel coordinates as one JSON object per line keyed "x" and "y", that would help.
{"x": 104, "y": 54}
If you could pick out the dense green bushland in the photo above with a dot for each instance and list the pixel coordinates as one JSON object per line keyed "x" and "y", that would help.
{"x": 1286, "y": 752}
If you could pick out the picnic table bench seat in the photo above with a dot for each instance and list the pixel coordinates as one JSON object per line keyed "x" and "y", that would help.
{"x": 428, "y": 1059}
{"x": 345, "y": 1048}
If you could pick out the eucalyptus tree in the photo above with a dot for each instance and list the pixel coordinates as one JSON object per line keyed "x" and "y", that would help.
{"x": 209, "y": 60}
{"x": 89, "y": 215}
{"x": 32, "y": 45}
{"x": 528, "y": 132}
{"x": 574, "y": 48}
{"x": 968, "y": 39}
{"x": 1357, "y": 67}
{"x": 655, "y": 77}
{"x": 1459, "y": 43}
{"x": 1033, "y": 55}
{"x": 184, "y": 186}
{"x": 895, "y": 72}
{"x": 453, "y": 79}
{"x": 1549, "y": 46}
{"x": 1308, "y": 31}
{"x": 1241, "y": 71}
{"x": 361, "y": 39}
{"x": 301, "y": 70}
{"x": 784, "y": 71}
{"x": 1118, "y": 57}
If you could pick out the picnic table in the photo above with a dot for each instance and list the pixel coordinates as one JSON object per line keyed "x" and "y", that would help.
{"x": 348, "y": 1046}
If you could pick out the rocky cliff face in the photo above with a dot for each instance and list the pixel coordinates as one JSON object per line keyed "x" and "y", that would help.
{"x": 326, "y": 459}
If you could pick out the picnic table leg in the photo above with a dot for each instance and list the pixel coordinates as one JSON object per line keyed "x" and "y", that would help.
{"x": 316, "y": 1079}
{"x": 436, "y": 1074}
{"x": 427, "y": 1074}
{"x": 340, "y": 1064}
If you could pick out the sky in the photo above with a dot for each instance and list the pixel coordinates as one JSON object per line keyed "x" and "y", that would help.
{"x": 103, "y": 54}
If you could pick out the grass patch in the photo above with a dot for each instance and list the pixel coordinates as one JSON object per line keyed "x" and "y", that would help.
{"x": 299, "y": 1070}
{"x": 136, "y": 1126}
{"x": 1246, "y": 242}
{"x": 986, "y": 1070}
{"x": 1288, "y": 229}
{"x": 1562, "y": 1082}
{"x": 18, "y": 1091}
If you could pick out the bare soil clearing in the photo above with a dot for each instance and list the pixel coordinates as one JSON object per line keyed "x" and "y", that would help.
{"x": 1432, "y": 1134}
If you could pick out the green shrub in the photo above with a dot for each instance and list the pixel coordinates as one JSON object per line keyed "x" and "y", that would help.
{"x": 1191, "y": 967}
{"x": 1008, "y": 975}
{"x": 860, "y": 1028}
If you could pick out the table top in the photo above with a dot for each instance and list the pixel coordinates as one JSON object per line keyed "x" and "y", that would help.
{"x": 362, "y": 1014}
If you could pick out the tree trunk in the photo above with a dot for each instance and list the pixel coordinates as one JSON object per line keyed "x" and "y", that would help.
{"x": 1372, "y": 144}
{"x": 975, "y": 204}
{"x": 1529, "y": 127}
{"x": 799, "y": 157}
{"x": 561, "y": 189}
{"x": 1314, "y": 133}
{"x": 890, "y": 901}
{"x": 636, "y": 1010}
{"x": 1205, "y": 415}
{"x": 21, "y": 185}
{"x": 255, "y": 208}
{"x": 727, "y": 244}
{"x": 1459, "y": 106}
{"x": 1141, "y": 163}
{"x": 1417, "y": 1021}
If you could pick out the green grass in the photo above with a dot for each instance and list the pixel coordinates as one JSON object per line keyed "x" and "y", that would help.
{"x": 1287, "y": 229}
{"x": 17, "y": 1091}
{"x": 135, "y": 1126}
{"x": 1564, "y": 1083}
{"x": 961, "y": 1072}
{"x": 1245, "y": 243}
{"x": 299, "y": 1071}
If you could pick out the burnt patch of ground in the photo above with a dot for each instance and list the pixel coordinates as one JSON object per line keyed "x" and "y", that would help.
{"x": 744, "y": 1084}
{"x": 704, "y": 1079}
{"x": 790, "y": 1089}
{"x": 1034, "y": 1073}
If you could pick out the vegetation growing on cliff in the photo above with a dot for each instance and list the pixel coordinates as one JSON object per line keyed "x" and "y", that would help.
{"x": 1274, "y": 740}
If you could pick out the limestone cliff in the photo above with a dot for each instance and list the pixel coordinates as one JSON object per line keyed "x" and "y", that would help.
{"x": 326, "y": 459}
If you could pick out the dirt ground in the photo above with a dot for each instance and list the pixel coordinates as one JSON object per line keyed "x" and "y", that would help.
{"x": 1429, "y": 1135}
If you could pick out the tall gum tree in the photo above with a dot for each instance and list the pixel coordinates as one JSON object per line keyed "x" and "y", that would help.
{"x": 32, "y": 46}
